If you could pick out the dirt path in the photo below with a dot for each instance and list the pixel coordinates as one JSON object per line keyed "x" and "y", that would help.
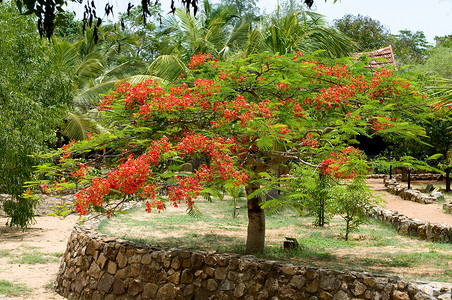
{"x": 424, "y": 212}
{"x": 49, "y": 237}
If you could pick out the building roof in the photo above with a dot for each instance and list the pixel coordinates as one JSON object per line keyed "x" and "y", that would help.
{"x": 380, "y": 58}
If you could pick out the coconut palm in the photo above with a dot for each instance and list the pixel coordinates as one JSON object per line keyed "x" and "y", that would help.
{"x": 97, "y": 68}
{"x": 298, "y": 30}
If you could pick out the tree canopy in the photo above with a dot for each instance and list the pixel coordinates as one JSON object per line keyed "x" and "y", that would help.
{"x": 49, "y": 12}
{"x": 34, "y": 93}
{"x": 241, "y": 119}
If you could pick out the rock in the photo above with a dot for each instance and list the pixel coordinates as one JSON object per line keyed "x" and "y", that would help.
{"x": 174, "y": 278}
{"x": 239, "y": 290}
{"x": 167, "y": 292}
{"x": 102, "y": 260}
{"x": 186, "y": 276}
{"x": 370, "y": 282}
{"x": 325, "y": 296}
{"x": 286, "y": 292}
{"x": 398, "y": 295}
{"x": 226, "y": 285}
{"x": 150, "y": 291}
{"x": 145, "y": 260}
{"x": 328, "y": 283}
{"x": 341, "y": 295}
{"x": 438, "y": 196}
{"x": 359, "y": 288}
{"x": 211, "y": 285}
{"x": 421, "y": 296}
{"x": 135, "y": 287}
{"x": 105, "y": 282}
{"x": 121, "y": 259}
{"x": 118, "y": 286}
{"x": 220, "y": 273}
{"x": 297, "y": 281}
{"x": 111, "y": 267}
{"x": 289, "y": 269}
{"x": 313, "y": 286}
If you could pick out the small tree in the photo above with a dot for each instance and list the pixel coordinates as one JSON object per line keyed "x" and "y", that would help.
{"x": 352, "y": 197}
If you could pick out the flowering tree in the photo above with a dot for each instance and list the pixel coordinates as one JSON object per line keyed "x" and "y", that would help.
{"x": 242, "y": 119}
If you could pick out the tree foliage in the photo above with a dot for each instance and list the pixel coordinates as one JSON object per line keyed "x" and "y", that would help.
{"x": 34, "y": 93}
{"x": 50, "y": 13}
{"x": 409, "y": 47}
{"x": 242, "y": 118}
{"x": 369, "y": 34}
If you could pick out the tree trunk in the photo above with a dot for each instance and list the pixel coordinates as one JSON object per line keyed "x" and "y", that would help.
{"x": 255, "y": 240}
{"x": 448, "y": 179}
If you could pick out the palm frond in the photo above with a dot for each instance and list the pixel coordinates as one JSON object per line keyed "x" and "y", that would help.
{"x": 168, "y": 67}
{"x": 91, "y": 97}
{"x": 77, "y": 126}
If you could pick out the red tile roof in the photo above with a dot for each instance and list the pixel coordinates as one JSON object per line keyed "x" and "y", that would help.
{"x": 380, "y": 58}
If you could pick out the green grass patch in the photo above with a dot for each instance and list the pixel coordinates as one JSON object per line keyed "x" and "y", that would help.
{"x": 375, "y": 247}
{"x": 35, "y": 257}
{"x": 10, "y": 289}
{"x": 5, "y": 253}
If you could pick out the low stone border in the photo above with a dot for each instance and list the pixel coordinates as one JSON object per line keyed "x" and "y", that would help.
{"x": 413, "y": 227}
{"x": 447, "y": 207}
{"x": 396, "y": 188}
{"x": 425, "y": 176}
{"x": 96, "y": 266}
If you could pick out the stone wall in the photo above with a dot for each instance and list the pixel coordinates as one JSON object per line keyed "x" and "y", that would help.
{"x": 447, "y": 207}
{"x": 393, "y": 187}
{"x": 96, "y": 266}
{"x": 424, "y": 230}
{"x": 424, "y": 176}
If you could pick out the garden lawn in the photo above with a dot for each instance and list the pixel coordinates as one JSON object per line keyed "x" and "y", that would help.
{"x": 374, "y": 248}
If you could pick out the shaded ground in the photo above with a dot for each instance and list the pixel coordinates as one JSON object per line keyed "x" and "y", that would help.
{"x": 48, "y": 237}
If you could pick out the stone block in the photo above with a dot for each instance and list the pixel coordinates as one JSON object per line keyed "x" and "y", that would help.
{"x": 220, "y": 273}
{"x": 105, "y": 282}
{"x": 121, "y": 259}
{"x": 111, "y": 267}
{"x": 118, "y": 286}
{"x": 186, "y": 276}
{"x": 135, "y": 287}
{"x": 148, "y": 273}
{"x": 102, "y": 260}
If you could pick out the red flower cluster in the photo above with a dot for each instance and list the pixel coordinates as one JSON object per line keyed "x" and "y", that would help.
{"x": 134, "y": 176}
{"x": 310, "y": 141}
{"x": 382, "y": 124}
{"x": 198, "y": 60}
{"x": 66, "y": 150}
{"x": 334, "y": 96}
{"x": 81, "y": 172}
{"x": 333, "y": 165}
{"x": 281, "y": 86}
{"x": 239, "y": 108}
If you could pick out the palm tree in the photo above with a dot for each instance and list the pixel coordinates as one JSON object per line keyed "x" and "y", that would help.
{"x": 298, "y": 30}
{"x": 97, "y": 68}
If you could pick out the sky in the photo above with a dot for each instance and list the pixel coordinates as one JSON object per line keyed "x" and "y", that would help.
{"x": 433, "y": 17}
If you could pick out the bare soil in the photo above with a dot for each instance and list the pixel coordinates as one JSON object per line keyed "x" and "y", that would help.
{"x": 424, "y": 212}
{"x": 50, "y": 234}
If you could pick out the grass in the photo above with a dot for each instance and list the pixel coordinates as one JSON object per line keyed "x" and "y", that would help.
{"x": 375, "y": 247}
{"x": 29, "y": 255}
{"x": 36, "y": 258}
{"x": 13, "y": 289}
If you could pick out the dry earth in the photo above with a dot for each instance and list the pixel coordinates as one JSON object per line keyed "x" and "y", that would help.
{"x": 50, "y": 234}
